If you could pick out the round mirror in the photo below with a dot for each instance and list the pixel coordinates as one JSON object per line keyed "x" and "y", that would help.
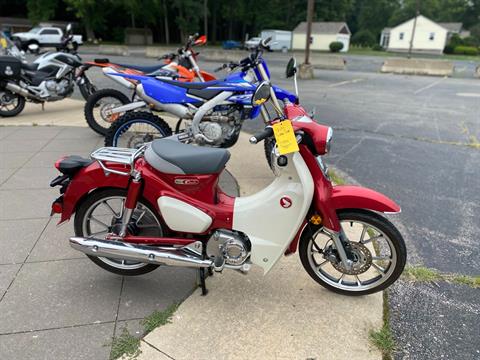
{"x": 262, "y": 94}
{"x": 291, "y": 68}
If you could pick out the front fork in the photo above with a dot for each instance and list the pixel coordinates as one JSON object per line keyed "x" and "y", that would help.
{"x": 341, "y": 243}
{"x": 130, "y": 204}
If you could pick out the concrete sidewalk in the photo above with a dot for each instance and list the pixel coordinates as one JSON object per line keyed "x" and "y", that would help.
{"x": 283, "y": 315}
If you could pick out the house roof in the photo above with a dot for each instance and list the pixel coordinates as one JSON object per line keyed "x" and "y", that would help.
{"x": 12, "y": 21}
{"x": 452, "y": 27}
{"x": 323, "y": 28}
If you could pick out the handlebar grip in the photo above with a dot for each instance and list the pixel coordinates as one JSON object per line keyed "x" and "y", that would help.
{"x": 261, "y": 135}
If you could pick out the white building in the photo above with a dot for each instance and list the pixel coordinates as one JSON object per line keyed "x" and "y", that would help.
{"x": 430, "y": 37}
{"x": 323, "y": 34}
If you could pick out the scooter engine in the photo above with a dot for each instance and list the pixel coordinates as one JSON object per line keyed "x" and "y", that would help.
{"x": 232, "y": 246}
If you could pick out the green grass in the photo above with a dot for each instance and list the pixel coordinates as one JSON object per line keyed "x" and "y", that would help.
{"x": 337, "y": 179}
{"x": 129, "y": 345}
{"x": 383, "y": 338}
{"x": 159, "y": 318}
{"x": 125, "y": 344}
{"x": 424, "y": 274}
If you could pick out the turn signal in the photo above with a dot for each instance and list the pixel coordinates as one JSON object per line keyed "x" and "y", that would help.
{"x": 57, "y": 208}
{"x": 316, "y": 219}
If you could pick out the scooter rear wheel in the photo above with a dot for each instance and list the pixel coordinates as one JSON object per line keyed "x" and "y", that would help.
{"x": 100, "y": 214}
{"x": 378, "y": 250}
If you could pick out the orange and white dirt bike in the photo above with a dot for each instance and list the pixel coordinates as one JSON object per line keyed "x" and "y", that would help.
{"x": 181, "y": 66}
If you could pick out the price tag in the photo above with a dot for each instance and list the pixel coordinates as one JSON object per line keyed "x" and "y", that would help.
{"x": 285, "y": 137}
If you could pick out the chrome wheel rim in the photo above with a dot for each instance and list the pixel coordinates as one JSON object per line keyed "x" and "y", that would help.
{"x": 363, "y": 236}
{"x": 104, "y": 216}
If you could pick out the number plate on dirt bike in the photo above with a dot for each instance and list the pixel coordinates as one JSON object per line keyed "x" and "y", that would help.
{"x": 285, "y": 137}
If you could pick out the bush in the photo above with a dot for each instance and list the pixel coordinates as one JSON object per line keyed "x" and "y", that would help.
{"x": 448, "y": 49}
{"x": 364, "y": 38}
{"x": 465, "y": 50}
{"x": 377, "y": 47}
{"x": 470, "y": 41}
{"x": 336, "y": 46}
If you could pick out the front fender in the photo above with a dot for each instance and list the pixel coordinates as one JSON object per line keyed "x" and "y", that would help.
{"x": 86, "y": 180}
{"x": 357, "y": 197}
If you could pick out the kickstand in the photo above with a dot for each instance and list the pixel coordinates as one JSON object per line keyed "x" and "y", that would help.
{"x": 202, "y": 281}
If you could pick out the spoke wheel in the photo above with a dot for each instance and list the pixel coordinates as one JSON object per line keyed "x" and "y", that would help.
{"x": 101, "y": 214}
{"x": 97, "y": 106}
{"x": 134, "y": 129}
{"x": 377, "y": 251}
{"x": 11, "y": 104}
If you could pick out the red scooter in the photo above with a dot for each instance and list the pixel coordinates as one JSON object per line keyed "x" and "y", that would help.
{"x": 136, "y": 209}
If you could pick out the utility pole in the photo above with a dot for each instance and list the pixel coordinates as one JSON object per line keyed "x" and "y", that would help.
{"x": 309, "y": 30}
{"x": 205, "y": 18}
{"x": 414, "y": 29}
{"x": 306, "y": 69}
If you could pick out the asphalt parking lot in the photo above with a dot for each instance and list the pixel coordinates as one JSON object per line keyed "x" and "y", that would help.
{"x": 416, "y": 139}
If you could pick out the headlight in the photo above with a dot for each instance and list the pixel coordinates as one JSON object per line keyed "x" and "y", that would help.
{"x": 329, "y": 139}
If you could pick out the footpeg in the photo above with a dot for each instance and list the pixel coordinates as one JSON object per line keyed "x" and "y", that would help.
{"x": 219, "y": 263}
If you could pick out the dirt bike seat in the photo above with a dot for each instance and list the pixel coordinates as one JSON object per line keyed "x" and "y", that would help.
{"x": 173, "y": 157}
{"x": 144, "y": 69}
{"x": 192, "y": 85}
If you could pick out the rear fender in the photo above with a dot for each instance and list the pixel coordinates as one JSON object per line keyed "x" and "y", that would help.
{"x": 357, "y": 197}
{"x": 88, "y": 179}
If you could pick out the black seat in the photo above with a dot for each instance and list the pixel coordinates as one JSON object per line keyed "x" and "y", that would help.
{"x": 31, "y": 67}
{"x": 144, "y": 69}
{"x": 173, "y": 157}
{"x": 192, "y": 85}
{"x": 73, "y": 163}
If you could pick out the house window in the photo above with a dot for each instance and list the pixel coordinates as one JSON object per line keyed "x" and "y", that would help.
{"x": 401, "y": 36}
{"x": 431, "y": 37}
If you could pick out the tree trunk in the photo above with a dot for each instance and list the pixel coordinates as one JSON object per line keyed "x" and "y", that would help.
{"x": 165, "y": 17}
{"x": 205, "y": 18}
{"x": 214, "y": 24}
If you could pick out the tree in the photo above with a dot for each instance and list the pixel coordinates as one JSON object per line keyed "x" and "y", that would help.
{"x": 364, "y": 38}
{"x": 91, "y": 13}
{"x": 189, "y": 13}
{"x": 41, "y": 10}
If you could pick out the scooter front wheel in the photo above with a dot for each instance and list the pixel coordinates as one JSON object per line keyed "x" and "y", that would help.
{"x": 377, "y": 249}
{"x": 101, "y": 214}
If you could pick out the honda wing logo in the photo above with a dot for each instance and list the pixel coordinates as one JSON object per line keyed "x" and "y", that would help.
{"x": 285, "y": 202}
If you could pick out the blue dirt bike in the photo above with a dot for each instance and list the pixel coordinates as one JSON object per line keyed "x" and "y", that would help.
{"x": 210, "y": 113}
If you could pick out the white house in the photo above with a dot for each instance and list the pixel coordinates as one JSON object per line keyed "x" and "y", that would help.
{"x": 323, "y": 34}
{"x": 430, "y": 37}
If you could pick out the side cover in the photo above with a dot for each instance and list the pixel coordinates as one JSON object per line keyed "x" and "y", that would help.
{"x": 272, "y": 217}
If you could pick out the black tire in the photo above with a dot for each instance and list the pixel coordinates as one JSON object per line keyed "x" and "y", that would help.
{"x": 368, "y": 217}
{"x": 87, "y": 88}
{"x": 80, "y": 214}
{"x": 121, "y": 126}
{"x": 100, "y": 126}
{"x": 20, "y": 105}
{"x": 268, "y": 145}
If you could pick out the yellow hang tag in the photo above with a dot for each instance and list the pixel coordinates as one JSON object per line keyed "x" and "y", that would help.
{"x": 3, "y": 43}
{"x": 285, "y": 137}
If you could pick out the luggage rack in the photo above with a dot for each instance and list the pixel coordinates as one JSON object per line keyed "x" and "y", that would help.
{"x": 117, "y": 155}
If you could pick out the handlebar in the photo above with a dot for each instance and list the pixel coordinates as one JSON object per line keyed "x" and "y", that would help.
{"x": 266, "y": 133}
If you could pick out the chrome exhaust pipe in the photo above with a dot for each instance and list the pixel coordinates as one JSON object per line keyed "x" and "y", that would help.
{"x": 133, "y": 252}
{"x": 14, "y": 88}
